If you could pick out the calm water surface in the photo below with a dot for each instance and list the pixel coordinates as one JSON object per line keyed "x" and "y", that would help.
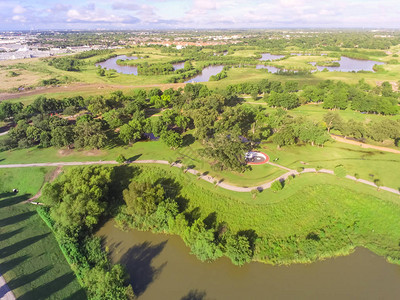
{"x": 112, "y": 64}
{"x": 350, "y": 65}
{"x": 269, "y": 56}
{"x": 162, "y": 268}
{"x": 206, "y": 74}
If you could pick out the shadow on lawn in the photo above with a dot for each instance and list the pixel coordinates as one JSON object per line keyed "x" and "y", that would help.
{"x": 14, "y": 248}
{"x": 16, "y": 218}
{"x": 27, "y": 278}
{"x": 12, "y": 200}
{"x": 46, "y": 290}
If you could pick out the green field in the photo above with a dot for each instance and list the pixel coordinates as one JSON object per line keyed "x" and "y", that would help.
{"x": 30, "y": 259}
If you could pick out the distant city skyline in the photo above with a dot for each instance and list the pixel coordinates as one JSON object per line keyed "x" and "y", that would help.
{"x": 200, "y": 14}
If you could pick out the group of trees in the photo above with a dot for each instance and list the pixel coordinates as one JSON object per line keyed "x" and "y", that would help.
{"x": 379, "y": 130}
{"x": 157, "y": 206}
{"x": 360, "y": 97}
{"x": 74, "y": 205}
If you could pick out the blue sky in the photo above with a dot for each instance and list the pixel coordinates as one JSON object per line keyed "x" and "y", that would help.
{"x": 173, "y": 14}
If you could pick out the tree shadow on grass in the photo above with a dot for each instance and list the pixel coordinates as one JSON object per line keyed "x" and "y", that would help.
{"x": 14, "y": 248}
{"x": 13, "y": 200}
{"x": 6, "y": 195}
{"x": 12, "y": 263}
{"x": 138, "y": 261}
{"x": 188, "y": 139}
{"x": 46, "y": 290}
{"x": 7, "y": 235}
{"x": 17, "y": 218}
{"x": 27, "y": 278}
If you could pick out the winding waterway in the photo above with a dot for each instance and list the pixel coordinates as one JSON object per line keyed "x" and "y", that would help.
{"x": 206, "y": 74}
{"x": 112, "y": 64}
{"x": 161, "y": 267}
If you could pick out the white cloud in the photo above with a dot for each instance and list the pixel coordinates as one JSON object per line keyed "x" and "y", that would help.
{"x": 19, "y": 18}
{"x": 19, "y": 9}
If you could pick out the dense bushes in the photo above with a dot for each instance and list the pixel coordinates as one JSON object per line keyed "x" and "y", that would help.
{"x": 87, "y": 191}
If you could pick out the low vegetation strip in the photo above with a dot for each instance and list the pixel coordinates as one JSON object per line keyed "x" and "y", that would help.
{"x": 207, "y": 178}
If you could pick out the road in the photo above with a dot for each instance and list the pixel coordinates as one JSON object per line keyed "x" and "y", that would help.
{"x": 207, "y": 178}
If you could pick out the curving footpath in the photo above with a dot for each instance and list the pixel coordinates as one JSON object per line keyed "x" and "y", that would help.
{"x": 207, "y": 178}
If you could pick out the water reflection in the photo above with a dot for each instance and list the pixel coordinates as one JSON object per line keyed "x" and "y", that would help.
{"x": 269, "y": 56}
{"x": 206, "y": 74}
{"x": 162, "y": 267}
{"x": 112, "y": 64}
{"x": 350, "y": 65}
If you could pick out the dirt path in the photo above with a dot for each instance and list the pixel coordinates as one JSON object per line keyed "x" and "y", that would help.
{"x": 5, "y": 292}
{"x": 53, "y": 175}
{"x": 213, "y": 180}
{"x": 76, "y": 87}
{"x": 363, "y": 145}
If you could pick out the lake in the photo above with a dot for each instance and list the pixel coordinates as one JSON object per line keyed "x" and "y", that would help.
{"x": 206, "y": 74}
{"x": 112, "y": 64}
{"x": 269, "y": 56}
{"x": 350, "y": 65}
{"x": 161, "y": 267}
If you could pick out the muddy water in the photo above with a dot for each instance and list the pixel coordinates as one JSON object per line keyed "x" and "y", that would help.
{"x": 162, "y": 268}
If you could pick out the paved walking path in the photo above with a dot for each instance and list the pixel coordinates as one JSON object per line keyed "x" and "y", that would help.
{"x": 207, "y": 178}
{"x": 363, "y": 145}
{"x": 3, "y": 133}
{"x": 5, "y": 292}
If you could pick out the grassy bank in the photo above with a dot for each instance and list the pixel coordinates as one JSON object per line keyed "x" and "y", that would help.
{"x": 314, "y": 217}
{"x": 30, "y": 259}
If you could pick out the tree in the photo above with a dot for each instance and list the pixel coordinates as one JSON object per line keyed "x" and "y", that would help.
{"x": 132, "y": 131}
{"x": 121, "y": 159}
{"x": 78, "y": 197}
{"x": 172, "y": 139}
{"x": 89, "y": 135}
{"x": 201, "y": 241}
{"x": 285, "y": 135}
{"x": 62, "y": 136}
{"x": 113, "y": 118}
{"x": 142, "y": 198}
{"x": 100, "y": 71}
{"x": 238, "y": 249}
{"x": 182, "y": 121}
{"x": 333, "y": 120}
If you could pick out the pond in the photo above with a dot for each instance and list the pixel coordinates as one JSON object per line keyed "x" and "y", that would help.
{"x": 161, "y": 267}
{"x": 270, "y": 69}
{"x": 206, "y": 74}
{"x": 350, "y": 65}
{"x": 269, "y": 56}
{"x": 112, "y": 64}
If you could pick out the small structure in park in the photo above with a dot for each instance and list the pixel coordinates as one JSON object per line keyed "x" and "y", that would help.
{"x": 256, "y": 158}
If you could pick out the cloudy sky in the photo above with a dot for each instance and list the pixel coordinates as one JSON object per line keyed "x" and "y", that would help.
{"x": 174, "y": 14}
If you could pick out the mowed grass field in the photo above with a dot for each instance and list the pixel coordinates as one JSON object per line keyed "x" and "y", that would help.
{"x": 30, "y": 258}
{"x": 368, "y": 163}
{"x": 343, "y": 214}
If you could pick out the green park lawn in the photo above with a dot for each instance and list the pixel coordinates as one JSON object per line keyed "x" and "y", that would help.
{"x": 368, "y": 163}
{"x": 30, "y": 259}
